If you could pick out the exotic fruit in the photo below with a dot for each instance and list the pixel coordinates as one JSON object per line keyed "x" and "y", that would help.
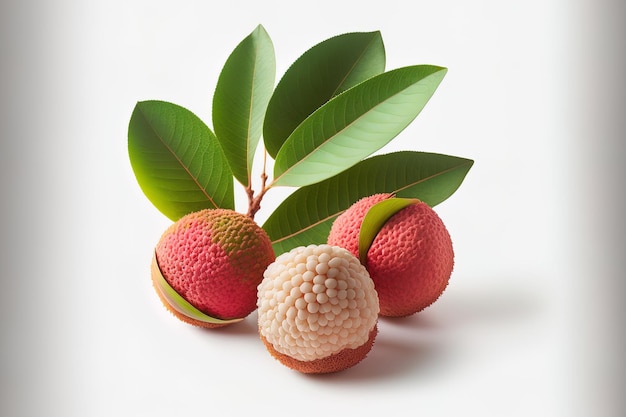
{"x": 317, "y": 309}
{"x": 208, "y": 264}
{"x": 410, "y": 260}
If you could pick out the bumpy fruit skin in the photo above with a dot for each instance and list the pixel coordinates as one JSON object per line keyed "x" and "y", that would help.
{"x": 410, "y": 260}
{"x": 214, "y": 259}
{"x": 318, "y": 309}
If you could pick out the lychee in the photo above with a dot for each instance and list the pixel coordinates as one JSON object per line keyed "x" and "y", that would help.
{"x": 410, "y": 260}
{"x": 214, "y": 259}
{"x": 317, "y": 309}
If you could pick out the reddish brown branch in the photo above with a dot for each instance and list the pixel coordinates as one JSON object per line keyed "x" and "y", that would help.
{"x": 254, "y": 202}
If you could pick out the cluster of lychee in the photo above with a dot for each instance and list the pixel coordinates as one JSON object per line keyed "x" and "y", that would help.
{"x": 318, "y": 305}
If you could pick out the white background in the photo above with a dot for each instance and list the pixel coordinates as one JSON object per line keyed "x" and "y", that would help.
{"x": 530, "y": 324}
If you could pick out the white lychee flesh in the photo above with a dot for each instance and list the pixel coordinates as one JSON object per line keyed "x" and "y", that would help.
{"x": 315, "y": 302}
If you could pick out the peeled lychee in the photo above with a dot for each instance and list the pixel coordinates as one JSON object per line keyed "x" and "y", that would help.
{"x": 214, "y": 259}
{"x": 317, "y": 309}
{"x": 410, "y": 260}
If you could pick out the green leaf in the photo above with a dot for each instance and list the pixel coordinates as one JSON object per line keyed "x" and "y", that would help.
{"x": 355, "y": 124}
{"x": 305, "y": 216}
{"x": 178, "y": 303}
{"x": 375, "y": 219}
{"x": 321, "y": 73}
{"x": 243, "y": 90}
{"x": 177, "y": 160}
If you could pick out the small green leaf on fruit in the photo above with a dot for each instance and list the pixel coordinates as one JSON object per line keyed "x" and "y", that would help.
{"x": 375, "y": 219}
{"x": 178, "y": 303}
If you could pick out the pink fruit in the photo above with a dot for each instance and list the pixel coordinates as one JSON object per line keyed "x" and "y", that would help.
{"x": 214, "y": 259}
{"x": 410, "y": 260}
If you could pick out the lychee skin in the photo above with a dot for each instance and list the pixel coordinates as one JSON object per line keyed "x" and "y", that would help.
{"x": 215, "y": 259}
{"x": 318, "y": 309}
{"x": 410, "y": 260}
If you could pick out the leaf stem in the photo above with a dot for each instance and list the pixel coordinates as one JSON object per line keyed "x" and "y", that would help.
{"x": 254, "y": 202}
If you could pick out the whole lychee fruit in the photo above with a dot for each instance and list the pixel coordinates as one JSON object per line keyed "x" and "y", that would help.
{"x": 318, "y": 309}
{"x": 214, "y": 259}
{"x": 410, "y": 260}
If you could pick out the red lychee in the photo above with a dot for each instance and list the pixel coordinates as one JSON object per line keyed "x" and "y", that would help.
{"x": 410, "y": 260}
{"x": 214, "y": 259}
